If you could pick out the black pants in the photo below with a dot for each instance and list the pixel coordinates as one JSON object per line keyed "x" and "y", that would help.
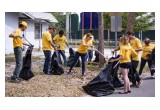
{"x": 143, "y": 63}
{"x": 133, "y": 71}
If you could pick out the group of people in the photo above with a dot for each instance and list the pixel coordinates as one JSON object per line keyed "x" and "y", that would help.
{"x": 56, "y": 43}
{"x": 130, "y": 48}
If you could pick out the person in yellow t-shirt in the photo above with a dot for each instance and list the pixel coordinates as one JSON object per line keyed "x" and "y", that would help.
{"x": 81, "y": 51}
{"x": 125, "y": 62}
{"x": 60, "y": 40}
{"x": 137, "y": 46}
{"x": 17, "y": 36}
{"x": 89, "y": 55}
{"x": 47, "y": 45}
{"x": 147, "y": 49}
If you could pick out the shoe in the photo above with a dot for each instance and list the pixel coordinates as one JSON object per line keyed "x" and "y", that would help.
{"x": 16, "y": 80}
{"x": 83, "y": 77}
{"x": 69, "y": 72}
{"x": 129, "y": 91}
{"x": 152, "y": 77}
{"x": 140, "y": 83}
{"x": 123, "y": 92}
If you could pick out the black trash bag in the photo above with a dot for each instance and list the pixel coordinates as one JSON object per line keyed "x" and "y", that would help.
{"x": 114, "y": 73}
{"x": 71, "y": 58}
{"x": 104, "y": 83}
{"x": 96, "y": 57}
{"x": 101, "y": 85}
{"x": 133, "y": 74}
{"x": 26, "y": 72}
{"x": 151, "y": 59}
{"x": 56, "y": 68}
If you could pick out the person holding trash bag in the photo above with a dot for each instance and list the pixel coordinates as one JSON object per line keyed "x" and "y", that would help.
{"x": 125, "y": 62}
{"x": 147, "y": 50}
{"x": 47, "y": 45}
{"x": 89, "y": 55}
{"x": 60, "y": 40}
{"x": 17, "y": 36}
{"x": 137, "y": 46}
{"x": 82, "y": 51}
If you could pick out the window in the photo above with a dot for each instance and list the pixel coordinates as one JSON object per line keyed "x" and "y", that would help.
{"x": 37, "y": 31}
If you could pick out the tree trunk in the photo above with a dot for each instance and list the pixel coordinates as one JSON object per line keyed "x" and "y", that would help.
{"x": 131, "y": 21}
{"x": 101, "y": 38}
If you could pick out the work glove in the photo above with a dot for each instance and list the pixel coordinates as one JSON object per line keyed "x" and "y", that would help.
{"x": 22, "y": 36}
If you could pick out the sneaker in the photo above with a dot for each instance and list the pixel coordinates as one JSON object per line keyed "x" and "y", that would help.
{"x": 83, "y": 77}
{"x": 139, "y": 84}
{"x": 16, "y": 80}
{"x": 152, "y": 77}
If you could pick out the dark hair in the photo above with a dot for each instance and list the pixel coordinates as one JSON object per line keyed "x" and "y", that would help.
{"x": 91, "y": 31}
{"x": 61, "y": 32}
{"x": 130, "y": 33}
{"x": 120, "y": 36}
{"x": 21, "y": 25}
{"x": 88, "y": 34}
{"x": 52, "y": 27}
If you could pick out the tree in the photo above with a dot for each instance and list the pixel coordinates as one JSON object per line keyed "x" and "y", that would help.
{"x": 131, "y": 21}
{"x": 61, "y": 25}
{"x": 101, "y": 37}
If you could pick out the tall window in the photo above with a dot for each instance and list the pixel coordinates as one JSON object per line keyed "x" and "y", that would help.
{"x": 37, "y": 31}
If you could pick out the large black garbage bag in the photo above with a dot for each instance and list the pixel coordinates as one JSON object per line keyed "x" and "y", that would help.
{"x": 71, "y": 58}
{"x": 26, "y": 72}
{"x": 151, "y": 59}
{"x": 56, "y": 68}
{"x": 96, "y": 57}
{"x": 103, "y": 84}
{"x": 114, "y": 73}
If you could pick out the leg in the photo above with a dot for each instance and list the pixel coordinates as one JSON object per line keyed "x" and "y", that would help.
{"x": 135, "y": 64}
{"x": 19, "y": 60}
{"x": 150, "y": 67}
{"x": 87, "y": 55}
{"x": 125, "y": 78}
{"x": 90, "y": 55}
{"x": 143, "y": 63}
{"x": 64, "y": 56}
{"x": 59, "y": 56}
{"x": 47, "y": 62}
{"x": 83, "y": 58}
{"x": 74, "y": 62}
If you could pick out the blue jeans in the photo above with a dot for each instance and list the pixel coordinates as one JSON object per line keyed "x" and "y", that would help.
{"x": 61, "y": 52}
{"x": 83, "y": 58}
{"x": 19, "y": 61}
{"x": 47, "y": 63}
{"x": 89, "y": 55}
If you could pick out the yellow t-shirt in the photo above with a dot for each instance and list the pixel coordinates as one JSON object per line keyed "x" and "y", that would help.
{"x": 126, "y": 51}
{"x": 90, "y": 42}
{"x": 83, "y": 49}
{"x": 147, "y": 50}
{"x": 136, "y": 44}
{"x": 17, "y": 41}
{"x": 46, "y": 37}
{"x": 60, "y": 41}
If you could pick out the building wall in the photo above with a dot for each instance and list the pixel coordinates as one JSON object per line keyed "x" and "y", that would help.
{"x": 30, "y": 35}
{"x": 11, "y": 23}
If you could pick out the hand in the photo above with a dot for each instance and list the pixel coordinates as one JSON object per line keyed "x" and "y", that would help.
{"x": 22, "y": 36}
{"x": 11, "y": 35}
{"x": 69, "y": 46}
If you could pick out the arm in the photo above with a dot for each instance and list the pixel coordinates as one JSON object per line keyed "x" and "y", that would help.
{"x": 117, "y": 59}
{"x": 52, "y": 44}
{"x": 26, "y": 44}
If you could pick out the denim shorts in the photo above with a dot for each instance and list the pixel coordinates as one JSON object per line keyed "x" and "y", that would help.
{"x": 126, "y": 65}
